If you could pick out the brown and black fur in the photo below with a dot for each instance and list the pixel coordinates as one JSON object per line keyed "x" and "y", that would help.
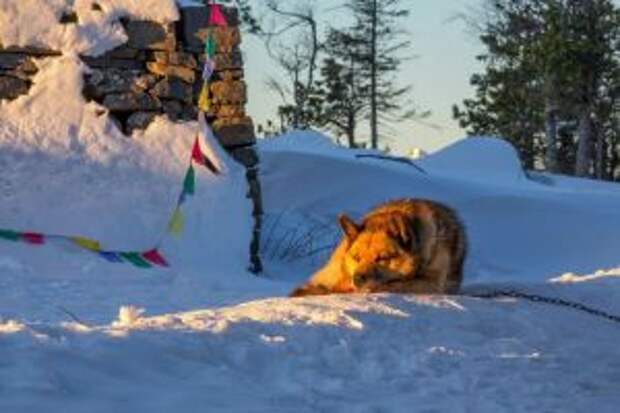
{"x": 404, "y": 246}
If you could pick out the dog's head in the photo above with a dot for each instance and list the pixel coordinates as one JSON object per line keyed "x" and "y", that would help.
{"x": 383, "y": 249}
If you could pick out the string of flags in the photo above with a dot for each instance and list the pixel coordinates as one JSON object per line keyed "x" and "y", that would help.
{"x": 216, "y": 19}
{"x": 151, "y": 258}
{"x": 144, "y": 259}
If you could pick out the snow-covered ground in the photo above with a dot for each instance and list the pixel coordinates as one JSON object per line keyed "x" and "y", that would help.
{"x": 215, "y": 336}
{"x": 79, "y": 334}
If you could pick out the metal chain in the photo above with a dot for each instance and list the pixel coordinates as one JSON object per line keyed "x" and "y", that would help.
{"x": 547, "y": 300}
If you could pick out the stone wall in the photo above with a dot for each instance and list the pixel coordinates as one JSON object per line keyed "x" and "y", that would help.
{"x": 158, "y": 72}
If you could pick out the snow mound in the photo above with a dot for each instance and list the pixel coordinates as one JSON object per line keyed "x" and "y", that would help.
{"x": 477, "y": 159}
{"x": 308, "y": 141}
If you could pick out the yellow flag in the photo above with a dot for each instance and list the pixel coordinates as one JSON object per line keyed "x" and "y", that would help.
{"x": 86, "y": 243}
{"x": 204, "y": 103}
{"x": 176, "y": 223}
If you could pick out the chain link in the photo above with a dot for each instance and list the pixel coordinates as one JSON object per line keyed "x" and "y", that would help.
{"x": 536, "y": 298}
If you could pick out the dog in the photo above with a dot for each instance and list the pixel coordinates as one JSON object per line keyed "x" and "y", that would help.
{"x": 412, "y": 246}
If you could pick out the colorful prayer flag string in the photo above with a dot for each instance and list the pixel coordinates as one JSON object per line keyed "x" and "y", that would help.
{"x": 176, "y": 224}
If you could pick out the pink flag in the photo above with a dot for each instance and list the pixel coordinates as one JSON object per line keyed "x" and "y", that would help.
{"x": 216, "y": 17}
{"x": 197, "y": 155}
{"x": 33, "y": 238}
{"x": 155, "y": 257}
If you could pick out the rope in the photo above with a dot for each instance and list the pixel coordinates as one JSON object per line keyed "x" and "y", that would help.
{"x": 536, "y": 298}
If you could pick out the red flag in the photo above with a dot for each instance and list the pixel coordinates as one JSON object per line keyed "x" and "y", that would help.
{"x": 155, "y": 257}
{"x": 33, "y": 238}
{"x": 197, "y": 153}
{"x": 216, "y": 17}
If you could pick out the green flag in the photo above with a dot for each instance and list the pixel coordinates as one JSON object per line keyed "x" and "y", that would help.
{"x": 9, "y": 235}
{"x": 189, "y": 186}
{"x": 135, "y": 259}
{"x": 210, "y": 46}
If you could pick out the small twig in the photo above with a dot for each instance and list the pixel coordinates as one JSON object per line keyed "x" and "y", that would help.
{"x": 393, "y": 159}
{"x": 270, "y": 234}
{"x": 73, "y": 316}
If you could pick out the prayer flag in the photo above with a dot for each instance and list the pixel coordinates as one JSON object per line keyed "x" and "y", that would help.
{"x": 197, "y": 155}
{"x": 111, "y": 256}
{"x": 86, "y": 243}
{"x": 154, "y": 257}
{"x": 176, "y": 223}
{"x": 204, "y": 103}
{"x": 210, "y": 46}
{"x": 9, "y": 235}
{"x": 135, "y": 259}
{"x": 33, "y": 238}
{"x": 189, "y": 185}
{"x": 216, "y": 17}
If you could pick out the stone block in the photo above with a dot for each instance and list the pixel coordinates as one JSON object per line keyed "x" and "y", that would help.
{"x": 30, "y": 50}
{"x": 229, "y": 91}
{"x": 122, "y": 52}
{"x": 162, "y": 69}
{"x": 9, "y": 61}
{"x": 177, "y": 59}
{"x": 227, "y": 111}
{"x": 106, "y": 62}
{"x": 102, "y": 82}
{"x": 248, "y": 157}
{"x": 234, "y": 132}
{"x": 12, "y": 87}
{"x": 129, "y": 102}
{"x": 194, "y": 21}
{"x": 227, "y": 39}
{"x": 173, "y": 109}
{"x": 174, "y": 88}
{"x": 233, "y": 61}
{"x": 148, "y": 35}
{"x": 139, "y": 120}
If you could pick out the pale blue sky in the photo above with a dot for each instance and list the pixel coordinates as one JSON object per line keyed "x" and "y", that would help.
{"x": 445, "y": 59}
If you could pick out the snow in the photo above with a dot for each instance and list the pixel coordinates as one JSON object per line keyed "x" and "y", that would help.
{"x": 85, "y": 333}
{"x": 36, "y": 23}
{"x": 80, "y": 334}
{"x": 477, "y": 159}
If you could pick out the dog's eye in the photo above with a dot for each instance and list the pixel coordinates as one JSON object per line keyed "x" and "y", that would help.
{"x": 385, "y": 257}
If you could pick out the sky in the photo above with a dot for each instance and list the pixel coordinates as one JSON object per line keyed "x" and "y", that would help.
{"x": 444, "y": 59}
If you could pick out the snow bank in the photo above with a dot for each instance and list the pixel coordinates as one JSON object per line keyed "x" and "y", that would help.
{"x": 519, "y": 230}
{"x": 36, "y": 23}
{"x": 67, "y": 170}
{"x": 477, "y": 159}
{"x": 337, "y": 354}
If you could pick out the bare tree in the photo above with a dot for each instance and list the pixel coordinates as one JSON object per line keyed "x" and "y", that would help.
{"x": 293, "y": 42}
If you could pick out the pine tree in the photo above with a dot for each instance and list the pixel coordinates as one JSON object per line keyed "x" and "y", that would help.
{"x": 549, "y": 81}
{"x": 381, "y": 39}
{"x": 342, "y": 88}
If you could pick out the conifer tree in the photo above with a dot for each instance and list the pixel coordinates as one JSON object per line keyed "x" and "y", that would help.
{"x": 548, "y": 86}
{"x": 343, "y": 88}
{"x": 378, "y": 32}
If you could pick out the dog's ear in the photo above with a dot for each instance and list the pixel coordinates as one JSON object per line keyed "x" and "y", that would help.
{"x": 350, "y": 229}
{"x": 417, "y": 228}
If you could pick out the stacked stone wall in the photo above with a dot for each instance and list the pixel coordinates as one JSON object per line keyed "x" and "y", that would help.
{"x": 158, "y": 72}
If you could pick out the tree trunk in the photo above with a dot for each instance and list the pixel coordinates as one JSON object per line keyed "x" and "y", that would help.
{"x": 351, "y": 131}
{"x": 599, "y": 159}
{"x": 551, "y": 133}
{"x": 374, "y": 127}
{"x": 298, "y": 100}
{"x": 584, "y": 148}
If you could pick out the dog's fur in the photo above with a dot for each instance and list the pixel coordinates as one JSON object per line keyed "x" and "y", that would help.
{"x": 403, "y": 246}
